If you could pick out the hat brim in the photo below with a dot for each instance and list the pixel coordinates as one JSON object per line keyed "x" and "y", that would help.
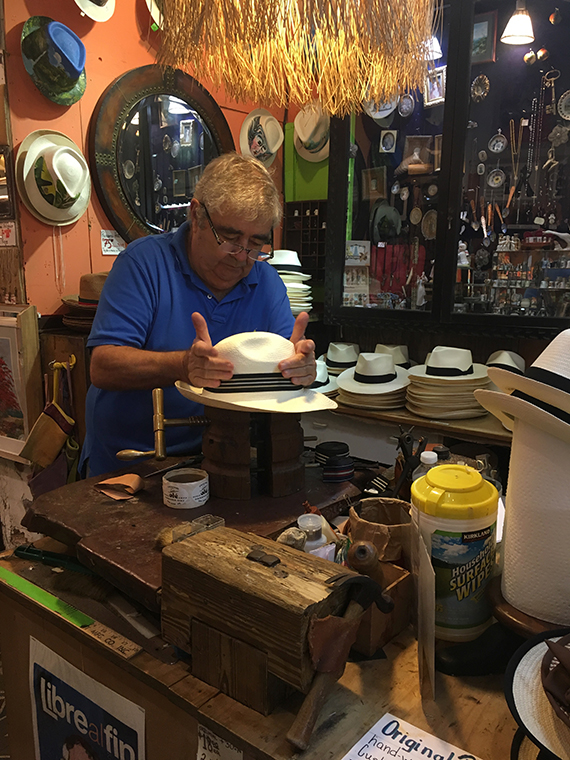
{"x": 25, "y": 160}
{"x": 244, "y": 143}
{"x": 527, "y": 699}
{"x": 97, "y": 12}
{"x": 434, "y": 413}
{"x": 314, "y": 157}
{"x": 67, "y": 98}
{"x": 507, "y": 408}
{"x": 419, "y": 371}
{"x": 74, "y": 303}
{"x": 304, "y": 400}
{"x": 289, "y": 277}
{"x": 346, "y": 382}
{"x": 511, "y": 381}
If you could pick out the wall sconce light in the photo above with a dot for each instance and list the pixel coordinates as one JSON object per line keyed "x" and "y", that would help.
{"x": 519, "y": 29}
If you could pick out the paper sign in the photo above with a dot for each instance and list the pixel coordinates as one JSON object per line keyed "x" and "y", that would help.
{"x": 76, "y": 716}
{"x": 212, "y": 747}
{"x": 111, "y": 243}
{"x": 394, "y": 738}
{"x": 8, "y": 234}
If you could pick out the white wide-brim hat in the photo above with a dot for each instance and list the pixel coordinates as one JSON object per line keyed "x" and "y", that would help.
{"x": 98, "y": 10}
{"x": 312, "y": 133}
{"x": 63, "y": 155}
{"x": 527, "y": 699}
{"x": 257, "y": 385}
{"x": 508, "y": 360}
{"x": 398, "y": 353}
{"x": 341, "y": 356}
{"x": 373, "y": 374}
{"x": 286, "y": 261}
{"x": 324, "y": 383}
{"x": 547, "y": 380}
{"x": 449, "y": 364}
{"x": 155, "y": 12}
{"x": 381, "y": 111}
{"x": 260, "y": 136}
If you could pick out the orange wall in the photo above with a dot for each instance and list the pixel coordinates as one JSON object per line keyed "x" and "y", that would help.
{"x": 114, "y": 47}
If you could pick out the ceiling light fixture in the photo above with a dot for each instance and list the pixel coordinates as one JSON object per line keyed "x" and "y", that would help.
{"x": 519, "y": 29}
{"x": 281, "y": 52}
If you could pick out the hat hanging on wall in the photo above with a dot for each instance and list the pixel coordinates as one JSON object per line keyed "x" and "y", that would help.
{"x": 52, "y": 177}
{"x": 312, "y": 132}
{"x": 155, "y": 10}
{"x": 260, "y": 136}
{"x": 54, "y": 57}
{"x": 257, "y": 384}
{"x": 98, "y": 10}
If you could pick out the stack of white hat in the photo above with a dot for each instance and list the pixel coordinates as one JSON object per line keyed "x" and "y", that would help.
{"x": 374, "y": 383}
{"x": 398, "y": 353}
{"x": 442, "y": 388}
{"x": 513, "y": 363}
{"x": 340, "y": 356}
{"x": 289, "y": 269}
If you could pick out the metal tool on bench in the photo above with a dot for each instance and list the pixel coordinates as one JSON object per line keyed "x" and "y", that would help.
{"x": 365, "y": 592}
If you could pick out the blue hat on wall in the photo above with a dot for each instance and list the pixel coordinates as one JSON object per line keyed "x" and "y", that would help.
{"x": 54, "y": 57}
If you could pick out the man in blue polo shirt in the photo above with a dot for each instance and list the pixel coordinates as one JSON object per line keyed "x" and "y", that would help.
{"x": 170, "y": 298}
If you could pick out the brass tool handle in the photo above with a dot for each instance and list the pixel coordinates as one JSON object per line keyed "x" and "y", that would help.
{"x": 158, "y": 423}
{"x": 300, "y": 732}
{"x": 128, "y": 454}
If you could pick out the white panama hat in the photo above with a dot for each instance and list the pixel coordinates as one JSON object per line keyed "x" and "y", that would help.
{"x": 373, "y": 374}
{"x": 381, "y": 111}
{"x": 260, "y": 136}
{"x": 324, "y": 383}
{"x": 528, "y": 701}
{"x": 52, "y": 177}
{"x": 312, "y": 133}
{"x": 341, "y": 356}
{"x": 546, "y": 382}
{"x": 508, "y": 360}
{"x": 449, "y": 364}
{"x": 98, "y": 10}
{"x": 257, "y": 384}
{"x": 286, "y": 261}
{"x": 398, "y": 353}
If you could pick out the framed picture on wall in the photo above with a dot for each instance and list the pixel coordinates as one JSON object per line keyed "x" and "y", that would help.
{"x": 374, "y": 183}
{"x": 483, "y": 49}
{"x": 434, "y": 86}
{"x": 388, "y": 139}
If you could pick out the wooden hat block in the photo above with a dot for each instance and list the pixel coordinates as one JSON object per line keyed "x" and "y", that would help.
{"x": 276, "y": 440}
{"x": 246, "y": 625}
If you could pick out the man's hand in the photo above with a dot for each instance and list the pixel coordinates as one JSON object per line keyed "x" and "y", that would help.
{"x": 202, "y": 365}
{"x": 301, "y": 368}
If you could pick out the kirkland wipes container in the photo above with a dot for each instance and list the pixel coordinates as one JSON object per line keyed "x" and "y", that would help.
{"x": 455, "y": 511}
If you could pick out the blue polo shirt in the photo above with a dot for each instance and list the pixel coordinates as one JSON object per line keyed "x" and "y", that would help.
{"x": 147, "y": 302}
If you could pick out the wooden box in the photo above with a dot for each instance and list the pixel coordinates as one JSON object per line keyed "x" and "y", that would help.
{"x": 245, "y": 624}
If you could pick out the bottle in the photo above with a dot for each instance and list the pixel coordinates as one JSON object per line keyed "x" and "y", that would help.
{"x": 312, "y": 526}
{"x": 428, "y": 459}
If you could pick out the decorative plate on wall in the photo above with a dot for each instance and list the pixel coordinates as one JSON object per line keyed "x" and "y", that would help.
{"x": 480, "y": 88}
{"x": 564, "y": 105}
{"x": 429, "y": 224}
{"x": 497, "y": 143}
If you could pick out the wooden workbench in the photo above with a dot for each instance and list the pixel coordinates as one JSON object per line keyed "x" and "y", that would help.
{"x": 468, "y": 712}
{"x": 483, "y": 430}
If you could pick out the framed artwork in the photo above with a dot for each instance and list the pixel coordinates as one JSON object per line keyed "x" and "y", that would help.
{"x": 434, "y": 87}
{"x": 179, "y": 183}
{"x": 357, "y": 253}
{"x": 388, "y": 139}
{"x": 374, "y": 183}
{"x": 20, "y": 377}
{"x": 418, "y": 147}
{"x": 484, "y": 37}
{"x": 437, "y": 152}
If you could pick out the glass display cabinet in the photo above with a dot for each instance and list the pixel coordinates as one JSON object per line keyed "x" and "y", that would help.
{"x": 452, "y": 204}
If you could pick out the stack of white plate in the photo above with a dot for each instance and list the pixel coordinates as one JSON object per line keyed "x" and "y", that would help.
{"x": 289, "y": 269}
{"x": 442, "y": 388}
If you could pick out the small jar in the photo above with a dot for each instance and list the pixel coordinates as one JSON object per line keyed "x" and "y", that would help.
{"x": 312, "y": 526}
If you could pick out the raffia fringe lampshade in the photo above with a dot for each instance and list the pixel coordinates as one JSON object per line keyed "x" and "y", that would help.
{"x": 279, "y": 52}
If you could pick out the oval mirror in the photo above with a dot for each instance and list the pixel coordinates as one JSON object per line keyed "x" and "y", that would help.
{"x": 151, "y": 135}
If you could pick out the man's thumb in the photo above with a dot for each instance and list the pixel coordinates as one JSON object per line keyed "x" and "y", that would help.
{"x": 201, "y": 328}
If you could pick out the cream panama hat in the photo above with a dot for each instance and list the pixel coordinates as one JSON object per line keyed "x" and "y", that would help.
{"x": 312, "y": 132}
{"x": 398, "y": 353}
{"x": 373, "y": 374}
{"x": 324, "y": 383}
{"x": 507, "y": 360}
{"x": 52, "y": 177}
{"x": 449, "y": 364}
{"x": 257, "y": 384}
{"x": 529, "y": 697}
{"x": 260, "y": 136}
{"x": 98, "y": 10}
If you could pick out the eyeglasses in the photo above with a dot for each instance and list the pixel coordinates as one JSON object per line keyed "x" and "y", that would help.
{"x": 263, "y": 253}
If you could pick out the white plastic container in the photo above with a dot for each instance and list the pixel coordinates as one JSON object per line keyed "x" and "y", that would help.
{"x": 428, "y": 459}
{"x": 312, "y": 526}
{"x": 455, "y": 511}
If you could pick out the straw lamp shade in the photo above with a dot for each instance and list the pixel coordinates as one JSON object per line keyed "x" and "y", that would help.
{"x": 275, "y": 52}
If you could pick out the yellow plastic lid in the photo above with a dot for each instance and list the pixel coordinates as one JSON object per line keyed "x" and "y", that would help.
{"x": 454, "y": 492}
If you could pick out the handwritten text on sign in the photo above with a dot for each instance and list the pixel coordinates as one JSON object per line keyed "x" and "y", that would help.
{"x": 212, "y": 747}
{"x": 394, "y": 738}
